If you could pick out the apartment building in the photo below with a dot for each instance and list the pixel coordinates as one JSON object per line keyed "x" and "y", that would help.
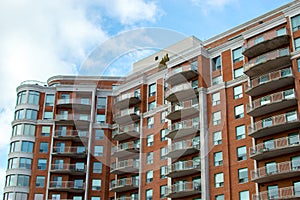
{"x": 215, "y": 119}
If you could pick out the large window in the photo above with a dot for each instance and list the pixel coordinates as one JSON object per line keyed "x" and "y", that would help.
{"x": 217, "y": 80}
{"x": 29, "y": 129}
{"x": 217, "y": 137}
{"x": 27, "y": 147}
{"x": 297, "y": 44}
{"x": 19, "y": 114}
{"x": 99, "y": 134}
{"x": 25, "y": 163}
{"x": 46, "y": 130}
{"x": 98, "y": 151}
{"x": 12, "y": 163}
{"x": 219, "y": 180}
{"x": 48, "y": 115}
{"x": 240, "y": 132}
{"x": 216, "y": 118}
{"x": 243, "y": 175}
{"x": 215, "y": 98}
{"x": 42, "y": 164}
{"x": 100, "y": 118}
{"x": 33, "y": 97}
{"x": 150, "y": 158}
{"x": 150, "y": 122}
{"x": 163, "y": 171}
{"x": 163, "y": 190}
{"x": 273, "y": 191}
{"x": 216, "y": 63}
{"x": 149, "y": 176}
{"x": 239, "y": 111}
{"x": 218, "y": 158}
{"x": 150, "y": 140}
{"x": 151, "y": 105}
{"x": 238, "y": 92}
{"x": 237, "y": 55}
{"x": 49, "y": 100}
{"x": 149, "y": 194}
{"x": 40, "y": 181}
{"x": 44, "y": 147}
{"x": 296, "y": 23}
{"x": 31, "y": 114}
{"x": 101, "y": 102}
{"x": 220, "y": 197}
{"x": 163, "y": 153}
{"x": 96, "y": 184}
{"x": 152, "y": 90}
{"x": 244, "y": 195}
{"x": 241, "y": 153}
{"x": 163, "y": 133}
{"x": 238, "y": 72}
{"x": 97, "y": 167}
{"x": 23, "y": 180}
{"x": 21, "y": 99}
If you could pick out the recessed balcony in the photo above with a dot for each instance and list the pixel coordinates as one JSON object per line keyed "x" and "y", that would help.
{"x": 276, "y": 172}
{"x": 270, "y": 82}
{"x": 183, "y": 128}
{"x": 274, "y": 148}
{"x": 126, "y": 149}
{"x": 127, "y": 100}
{"x": 126, "y": 132}
{"x": 268, "y": 62}
{"x": 183, "y": 148}
{"x": 286, "y": 193}
{"x": 272, "y": 103}
{"x": 183, "y": 168}
{"x": 273, "y": 125}
{"x": 181, "y": 92}
{"x": 80, "y": 120}
{"x": 181, "y": 110}
{"x": 125, "y": 166}
{"x": 126, "y": 116}
{"x": 124, "y": 184}
{"x": 183, "y": 190}
{"x": 67, "y": 186}
{"x": 72, "y": 169}
{"x": 75, "y": 103}
{"x": 265, "y": 42}
{"x": 182, "y": 74}
{"x": 73, "y": 135}
{"x": 77, "y": 152}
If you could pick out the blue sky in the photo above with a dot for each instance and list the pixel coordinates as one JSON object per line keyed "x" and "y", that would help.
{"x": 40, "y": 39}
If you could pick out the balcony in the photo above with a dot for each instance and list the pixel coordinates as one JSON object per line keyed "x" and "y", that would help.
{"x": 75, "y": 103}
{"x": 181, "y": 92}
{"x": 272, "y": 103}
{"x": 80, "y": 120}
{"x": 71, "y": 169}
{"x": 183, "y": 148}
{"x": 125, "y": 166}
{"x": 182, "y": 110}
{"x": 183, "y": 168}
{"x": 67, "y": 186}
{"x": 126, "y": 149}
{"x": 268, "y": 42}
{"x": 183, "y": 190}
{"x": 181, "y": 75}
{"x": 270, "y": 82}
{"x": 124, "y": 184}
{"x": 127, "y": 116}
{"x": 126, "y": 132}
{"x": 73, "y": 135}
{"x": 277, "y": 172}
{"x": 268, "y": 62}
{"x": 275, "y": 148}
{"x": 183, "y": 128}
{"x": 127, "y": 100}
{"x": 77, "y": 152}
{"x": 286, "y": 193}
{"x": 273, "y": 125}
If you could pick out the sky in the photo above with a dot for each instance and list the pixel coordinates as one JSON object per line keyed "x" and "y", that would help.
{"x": 40, "y": 39}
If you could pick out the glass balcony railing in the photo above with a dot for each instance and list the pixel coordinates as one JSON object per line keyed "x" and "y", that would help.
{"x": 182, "y": 74}
{"x": 68, "y": 185}
{"x": 127, "y": 100}
{"x": 280, "y": 193}
{"x": 68, "y": 167}
{"x": 83, "y": 101}
{"x": 124, "y": 184}
{"x": 182, "y": 148}
{"x": 183, "y": 189}
{"x": 125, "y": 166}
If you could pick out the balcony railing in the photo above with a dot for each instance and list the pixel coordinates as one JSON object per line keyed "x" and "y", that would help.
{"x": 68, "y": 168}
{"x": 67, "y": 185}
{"x": 124, "y": 184}
{"x": 125, "y": 166}
{"x": 125, "y": 149}
{"x": 264, "y": 104}
{"x": 183, "y": 128}
{"x": 181, "y": 92}
{"x": 74, "y": 101}
{"x": 182, "y": 109}
{"x": 276, "y": 172}
{"x": 281, "y": 193}
{"x": 182, "y": 74}
{"x": 70, "y": 151}
{"x": 182, "y": 148}
{"x": 273, "y": 148}
{"x": 127, "y": 115}
{"x": 183, "y": 168}
{"x": 269, "y": 82}
{"x": 127, "y": 100}
{"x": 84, "y": 117}
{"x": 125, "y": 132}
{"x": 180, "y": 190}
{"x": 274, "y": 124}
{"x": 70, "y": 133}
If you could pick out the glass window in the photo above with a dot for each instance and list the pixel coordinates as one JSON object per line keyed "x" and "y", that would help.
{"x": 149, "y": 194}
{"x": 216, "y": 98}
{"x": 40, "y": 181}
{"x": 42, "y": 164}
{"x": 217, "y": 137}
{"x": 216, "y": 63}
{"x": 273, "y": 191}
{"x": 49, "y": 100}
{"x": 101, "y": 102}
{"x": 281, "y": 31}
{"x": 243, "y": 175}
{"x": 296, "y": 162}
{"x": 163, "y": 153}
{"x": 150, "y": 140}
{"x": 17, "y": 130}
{"x": 29, "y": 129}
{"x": 297, "y": 188}
{"x": 97, "y": 167}
{"x": 239, "y": 111}
{"x": 241, "y": 153}
{"x": 163, "y": 190}
{"x": 150, "y": 122}
{"x": 163, "y": 171}
{"x": 295, "y": 23}
{"x": 149, "y": 176}
{"x": 220, "y": 197}
{"x": 238, "y": 72}
{"x": 21, "y": 98}
{"x": 219, "y": 180}
{"x": 149, "y": 157}
{"x": 12, "y": 163}
{"x": 48, "y": 115}
{"x": 218, "y": 158}
{"x": 291, "y": 116}
{"x": 33, "y": 97}
{"x": 25, "y": 163}
{"x": 195, "y": 84}
{"x": 293, "y": 138}
{"x": 23, "y": 180}
{"x": 163, "y": 133}
{"x": 44, "y": 147}
{"x": 271, "y": 167}
{"x": 216, "y": 118}
{"x": 38, "y": 196}
{"x": 100, "y": 118}
{"x": 99, "y": 134}
{"x": 152, "y": 90}
{"x": 259, "y": 39}
{"x": 19, "y": 114}
{"x": 240, "y": 132}
{"x": 98, "y": 151}
{"x": 151, "y": 105}
{"x": 31, "y": 114}
{"x": 27, "y": 147}
{"x": 297, "y": 44}
{"x": 95, "y": 198}
{"x": 217, "y": 80}
{"x": 269, "y": 144}
{"x": 46, "y": 130}
{"x": 237, "y": 55}
{"x": 96, "y": 184}
{"x": 298, "y": 63}
{"x": 267, "y": 122}
{"x": 244, "y": 195}
{"x": 163, "y": 115}
{"x": 238, "y": 92}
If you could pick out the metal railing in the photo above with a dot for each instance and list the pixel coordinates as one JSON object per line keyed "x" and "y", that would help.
{"x": 182, "y": 145}
{"x": 85, "y": 117}
{"x": 70, "y": 133}
{"x": 124, "y": 182}
{"x": 190, "y": 123}
{"x": 126, "y": 128}
{"x": 84, "y": 101}
{"x": 125, "y": 146}
{"x": 66, "y": 185}
{"x": 183, "y": 105}
{"x": 125, "y": 164}
{"x": 125, "y": 112}
{"x": 68, "y": 167}
{"x": 122, "y": 97}
{"x": 281, "y": 193}
{"x": 183, "y": 165}
{"x": 180, "y": 87}
{"x": 183, "y": 187}
{"x": 73, "y": 150}
{"x": 182, "y": 69}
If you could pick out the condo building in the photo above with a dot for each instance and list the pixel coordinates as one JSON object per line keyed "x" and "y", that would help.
{"x": 211, "y": 120}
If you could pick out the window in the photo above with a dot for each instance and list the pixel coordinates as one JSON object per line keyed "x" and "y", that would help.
{"x": 267, "y": 122}
{"x": 297, "y": 188}
{"x": 45, "y": 130}
{"x": 42, "y": 164}
{"x": 21, "y": 99}
{"x": 218, "y": 158}
{"x": 27, "y": 147}
{"x": 149, "y": 176}
{"x": 31, "y": 114}
{"x": 12, "y": 163}
{"x": 216, "y": 63}
{"x": 101, "y": 102}
{"x": 29, "y": 129}
{"x": 238, "y": 92}
{"x": 38, "y": 196}
{"x": 195, "y": 84}
{"x": 149, "y": 194}
{"x": 25, "y": 163}
{"x": 219, "y": 180}
{"x": 163, "y": 153}
{"x": 49, "y": 100}
{"x": 217, "y": 80}
{"x": 163, "y": 190}
{"x": 244, "y": 195}
{"x": 295, "y": 23}
{"x": 296, "y": 162}
{"x": 239, "y": 111}
{"x": 240, "y": 132}
{"x": 215, "y": 98}
{"x": 293, "y": 138}
{"x": 217, "y": 137}
{"x": 150, "y": 158}
{"x": 99, "y": 134}
{"x": 101, "y": 118}
{"x": 259, "y": 39}
{"x": 241, "y": 153}
{"x": 273, "y": 192}
{"x": 97, "y": 167}
{"x": 237, "y": 55}
{"x": 19, "y": 114}
{"x": 297, "y": 44}
{"x": 271, "y": 168}
{"x": 298, "y": 63}
{"x": 238, "y": 72}
{"x": 243, "y": 175}
{"x": 150, "y": 122}
{"x": 43, "y": 147}
{"x": 95, "y": 198}
{"x": 33, "y": 97}
{"x": 163, "y": 115}
{"x": 17, "y": 130}
{"x": 216, "y": 118}
{"x": 152, "y": 90}
{"x": 40, "y": 181}
{"x": 150, "y": 140}
{"x": 96, "y": 184}
{"x": 281, "y": 31}
{"x": 163, "y": 171}
{"x": 291, "y": 116}
{"x": 48, "y": 115}
{"x": 220, "y": 197}
{"x": 163, "y": 135}
{"x": 23, "y": 180}
{"x": 269, "y": 144}
{"x": 98, "y": 151}
{"x": 151, "y": 105}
